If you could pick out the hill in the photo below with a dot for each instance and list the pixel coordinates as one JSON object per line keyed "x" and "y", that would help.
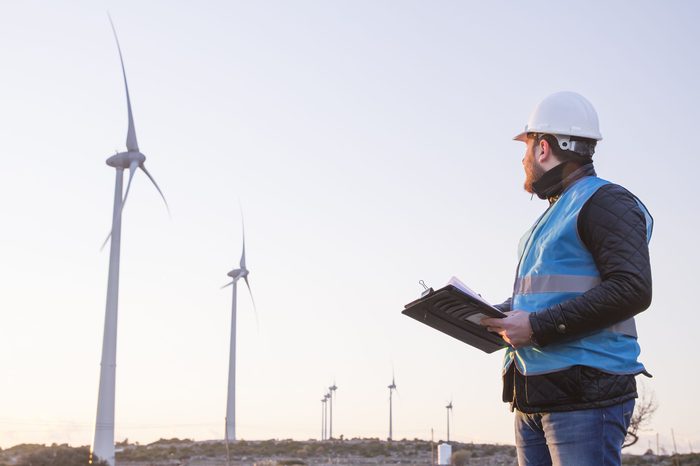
{"x": 366, "y": 451}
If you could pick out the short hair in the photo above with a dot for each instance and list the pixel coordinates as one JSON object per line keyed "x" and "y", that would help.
{"x": 567, "y": 155}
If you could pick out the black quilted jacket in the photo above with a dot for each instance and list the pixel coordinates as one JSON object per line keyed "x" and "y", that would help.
{"x": 613, "y": 228}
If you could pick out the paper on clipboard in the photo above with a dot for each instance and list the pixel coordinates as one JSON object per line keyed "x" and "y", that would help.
{"x": 459, "y": 284}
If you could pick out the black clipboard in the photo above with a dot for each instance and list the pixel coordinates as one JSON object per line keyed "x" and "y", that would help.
{"x": 449, "y": 309}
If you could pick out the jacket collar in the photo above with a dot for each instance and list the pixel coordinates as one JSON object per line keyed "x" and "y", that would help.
{"x": 553, "y": 183}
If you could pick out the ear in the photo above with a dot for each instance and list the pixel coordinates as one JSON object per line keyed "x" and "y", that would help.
{"x": 544, "y": 152}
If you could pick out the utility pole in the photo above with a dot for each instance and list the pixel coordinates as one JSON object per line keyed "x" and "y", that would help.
{"x": 673, "y": 436}
{"x": 657, "y": 444}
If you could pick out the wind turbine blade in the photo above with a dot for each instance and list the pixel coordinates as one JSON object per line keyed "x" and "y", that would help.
{"x": 106, "y": 241}
{"x": 255, "y": 309}
{"x": 242, "y": 266}
{"x": 131, "y": 143}
{"x": 226, "y": 285}
{"x": 132, "y": 170}
{"x": 143, "y": 167}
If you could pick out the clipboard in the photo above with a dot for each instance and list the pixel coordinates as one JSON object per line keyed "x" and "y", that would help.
{"x": 457, "y": 314}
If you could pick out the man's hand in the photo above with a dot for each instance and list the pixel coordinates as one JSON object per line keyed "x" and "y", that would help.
{"x": 515, "y": 329}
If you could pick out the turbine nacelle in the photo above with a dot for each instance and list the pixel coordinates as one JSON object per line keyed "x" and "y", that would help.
{"x": 238, "y": 273}
{"x": 126, "y": 159}
{"x": 132, "y": 160}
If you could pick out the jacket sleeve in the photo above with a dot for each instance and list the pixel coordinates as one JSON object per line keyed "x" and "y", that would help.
{"x": 504, "y": 306}
{"x": 613, "y": 228}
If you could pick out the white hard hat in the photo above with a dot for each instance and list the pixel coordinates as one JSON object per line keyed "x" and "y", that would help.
{"x": 563, "y": 114}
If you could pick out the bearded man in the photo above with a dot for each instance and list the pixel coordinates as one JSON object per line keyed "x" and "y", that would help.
{"x": 583, "y": 274}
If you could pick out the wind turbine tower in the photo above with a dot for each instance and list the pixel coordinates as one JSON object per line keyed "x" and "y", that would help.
{"x": 235, "y": 274}
{"x": 323, "y": 417}
{"x": 449, "y": 411}
{"x": 132, "y": 159}
{"x": 391, "y": 388}
{"x": 331, "y": 392}
{"x": 324, "y": 400}
{"x": 327, "y": 396}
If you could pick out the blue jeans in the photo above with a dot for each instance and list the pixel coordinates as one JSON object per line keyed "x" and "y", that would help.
{"x": 590, "y": 437}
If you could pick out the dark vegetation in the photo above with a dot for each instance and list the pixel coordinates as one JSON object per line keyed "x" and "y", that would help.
{"x": 184, "y": 452}
{"x": 286, "y": 451}
{"x": 41, "y": 455}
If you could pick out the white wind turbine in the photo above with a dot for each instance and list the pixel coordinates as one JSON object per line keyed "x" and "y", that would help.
{"x": 391, "y": 388}
{"x": 235, "y": 274}
{"x": 324, "y": 400}
{"x": 132, "y": 159}
{"x": 331, "y": 392}
{"x": 449, "y": 411}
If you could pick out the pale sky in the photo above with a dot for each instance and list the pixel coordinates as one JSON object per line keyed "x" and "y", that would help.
{"x": 369, "y": 143}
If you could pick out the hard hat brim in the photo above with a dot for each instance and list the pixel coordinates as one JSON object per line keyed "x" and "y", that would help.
{"x": 521, "y": 137}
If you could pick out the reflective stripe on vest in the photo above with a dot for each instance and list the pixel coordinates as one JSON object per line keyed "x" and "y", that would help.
{"x": 555, "y": 284}
{"x": 555, "y": 266}
{"x": 626, "y": 327}
{"x": 536, "y": 284}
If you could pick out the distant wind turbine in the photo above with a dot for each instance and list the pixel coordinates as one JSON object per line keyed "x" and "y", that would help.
{"x": 449, "y": 410}
{"x": 328, "y": 398}
{"x": 235, "y": 274}
{"x": 331, "y": 392}
{"x": 132, "y": 159}
{"x": 323, "y": 416}
{"x": 391, "y": 388}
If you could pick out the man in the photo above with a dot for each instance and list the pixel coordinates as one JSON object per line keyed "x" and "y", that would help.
{"x": 583, "y": 274}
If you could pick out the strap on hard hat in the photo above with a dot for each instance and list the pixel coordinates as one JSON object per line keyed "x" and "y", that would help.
{"x": 583, "y": 148}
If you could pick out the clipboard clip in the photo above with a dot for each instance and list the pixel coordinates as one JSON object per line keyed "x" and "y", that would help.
{"x": 426, "y": 289}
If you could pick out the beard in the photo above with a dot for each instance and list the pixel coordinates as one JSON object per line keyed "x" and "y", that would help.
{"x": 533, "y": 172}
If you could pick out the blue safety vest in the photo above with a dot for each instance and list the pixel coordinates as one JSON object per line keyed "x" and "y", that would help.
{"x": 555, "y": 266}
